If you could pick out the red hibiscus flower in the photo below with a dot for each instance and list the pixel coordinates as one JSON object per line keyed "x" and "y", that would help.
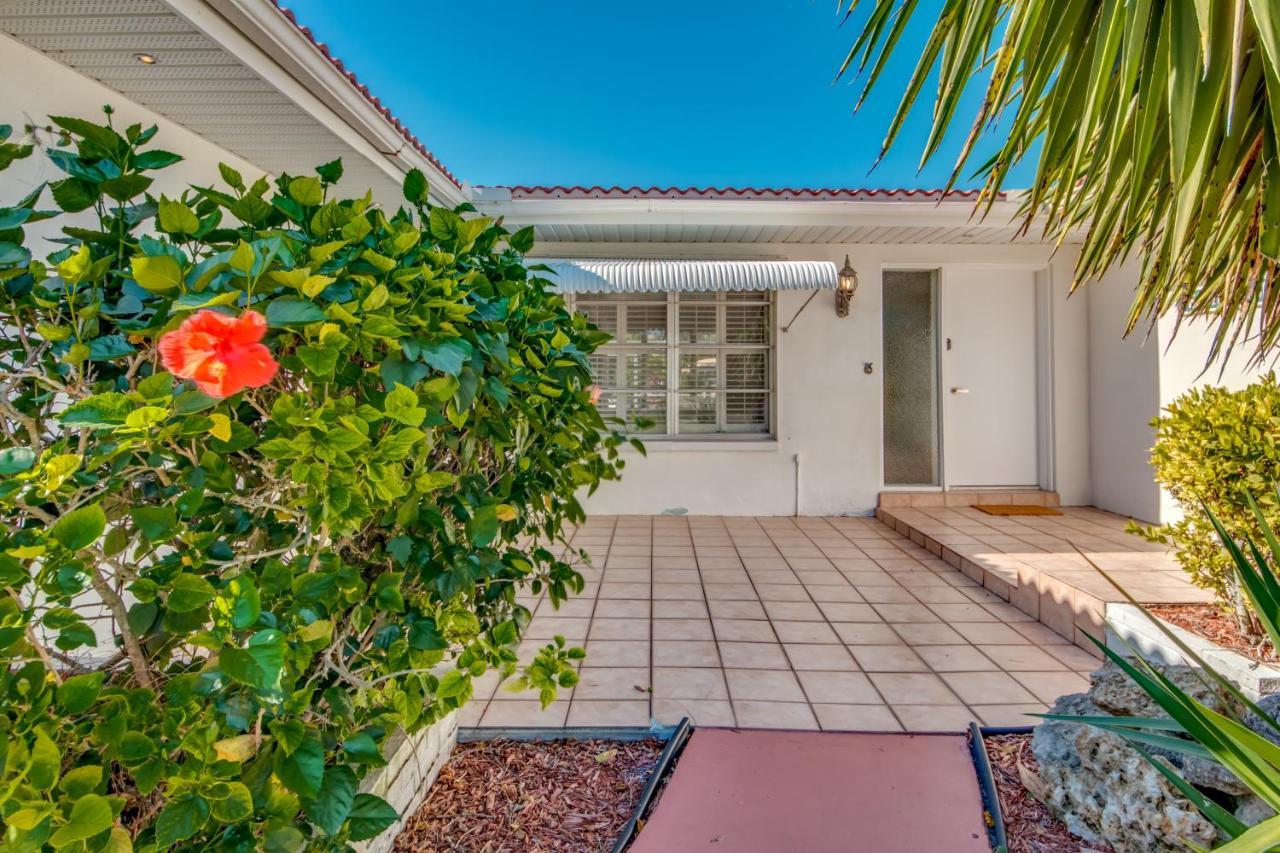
{"x": 221, "y": 354}
{"x": 594, "y": 390}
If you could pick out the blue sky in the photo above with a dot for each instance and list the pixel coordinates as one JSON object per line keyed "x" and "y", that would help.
{"x": 662, "y": 92}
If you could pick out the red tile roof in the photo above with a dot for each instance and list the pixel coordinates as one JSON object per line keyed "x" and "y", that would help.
{"x": 740, "y": 193}
{"x": 364, "y": 90}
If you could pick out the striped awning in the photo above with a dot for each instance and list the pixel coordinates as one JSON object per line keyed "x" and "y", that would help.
{"x": 616, "y": 275}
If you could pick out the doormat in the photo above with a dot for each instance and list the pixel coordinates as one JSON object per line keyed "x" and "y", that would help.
{"x": 1017, "y": 509}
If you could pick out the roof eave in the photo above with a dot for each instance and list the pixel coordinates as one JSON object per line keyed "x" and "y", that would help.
{"x": 261, "y": 35}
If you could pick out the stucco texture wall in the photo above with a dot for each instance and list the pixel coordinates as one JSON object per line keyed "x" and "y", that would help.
{"x": 826, "y": 459}
{"x": 37, "y": 87}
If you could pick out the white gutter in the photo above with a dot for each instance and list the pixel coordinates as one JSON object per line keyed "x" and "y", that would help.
{"x": 259, "y": 35}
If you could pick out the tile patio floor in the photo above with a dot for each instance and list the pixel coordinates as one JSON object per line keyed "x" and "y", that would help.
{"x": 806, "y": 623}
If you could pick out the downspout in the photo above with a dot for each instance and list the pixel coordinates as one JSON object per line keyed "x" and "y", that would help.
{"x": 796, "y": 458}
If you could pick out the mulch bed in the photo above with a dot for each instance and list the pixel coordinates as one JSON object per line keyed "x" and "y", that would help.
{"x": 1206, "y": 620}
{"x": 1029, "y": 825}
{"x": 527, "y": 796}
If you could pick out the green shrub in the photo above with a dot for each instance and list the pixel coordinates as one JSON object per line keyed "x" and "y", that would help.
{"x": 293, "y": 571}
{"x": 1213, "y": 448}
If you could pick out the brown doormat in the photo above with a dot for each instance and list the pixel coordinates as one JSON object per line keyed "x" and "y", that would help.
{"x": 1017, "y": 509}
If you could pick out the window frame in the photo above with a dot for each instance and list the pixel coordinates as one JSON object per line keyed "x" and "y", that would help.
{"x": 672, "y": 349}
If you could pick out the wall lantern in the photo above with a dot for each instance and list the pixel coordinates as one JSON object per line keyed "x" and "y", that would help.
{"x": 847, "y": 286}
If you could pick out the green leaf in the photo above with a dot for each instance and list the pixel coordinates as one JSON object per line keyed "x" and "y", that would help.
{"x": 289, "y": 311}
{"x": 158, "y": 274}
{"x": 46, "y": 761}
{"x": 402, "y": 405}
{"x": 182, "y": 817}
{"x": 176, "y": 218}
{"x": 330, "y": 172}
{"x": 157, "y": 523}
{"x": 79, "y": 781}
{"x": 447, "y": 356}
{"x": 307, "y": 191}
{"x": 415, "y": 186}
{"x": 100, "y": 410}
{"x": 302, "y": 771}
{"x": 125, "y": 187}
{"x": 483, "y": 526}
{"x": 334, "y": 801}
{"x": 80, "y": 528}
{"x": 370, "y": 817}
{"x": 156, "y": 159}
{"x": 15, "y": 460}
{"x": 236, "y": 806}
{"x": 189, "y": 592}
{"x": 77, "y": 693}
{"x": 89, "y": 815}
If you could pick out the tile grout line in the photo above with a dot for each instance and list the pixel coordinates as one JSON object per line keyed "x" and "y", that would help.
{"x": 706, "y": 603}
{"x": 591, "y": 620}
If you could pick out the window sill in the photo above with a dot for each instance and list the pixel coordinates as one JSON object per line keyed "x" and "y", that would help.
{"x": 708, "y": 445}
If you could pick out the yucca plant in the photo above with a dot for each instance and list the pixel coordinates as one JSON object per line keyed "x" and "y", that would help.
{"x": 1195, "y": 729}
{"x": 1154, "y": 126}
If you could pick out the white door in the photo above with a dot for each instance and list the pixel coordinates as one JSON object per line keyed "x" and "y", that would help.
{"x": 990, "y": 434}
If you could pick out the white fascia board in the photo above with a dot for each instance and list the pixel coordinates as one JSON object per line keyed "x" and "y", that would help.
{"x": 259, "y": 35}
{"x": 753, "y": 212}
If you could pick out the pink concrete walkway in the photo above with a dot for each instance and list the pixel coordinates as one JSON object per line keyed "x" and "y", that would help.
{"x": 778, "y": 791}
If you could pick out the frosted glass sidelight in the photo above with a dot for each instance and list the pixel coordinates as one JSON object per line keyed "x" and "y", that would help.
{"x": 910, "y": 378}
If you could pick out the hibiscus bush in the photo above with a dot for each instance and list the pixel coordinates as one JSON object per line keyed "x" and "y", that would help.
{"x": 274, "y": 467}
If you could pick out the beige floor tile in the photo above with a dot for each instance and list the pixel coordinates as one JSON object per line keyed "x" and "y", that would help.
{"x": 1043, "y": 635}
{"x": 1022, "y": 658}
{"x": 619, "y": 629}
{"x": 913, "y": 688}
{"x": 933, "y": 718}
{"x": 613, "y": 575}
{"x": 684, "y": 653}
{"x": 842, "y": 592}
{"x": 1009, "y": 715}
{"x": 805, "y": 632}
{"x": 841, "y": 688}
{"x": 764, "y": 684}
{"x": 989, "y": 633}
{"x": 1048, "y": 686}
{"x": 617, "y": 653}
{"x": 580, "y": 608}
{"x": 794, "y": 611}
{"x": 941, "y": 595}
{"x": 524, "y": 712}
{"x": 905, "y": 613}
{"x": 821, "y": 657}
{"x": 677, "y": 592}
{"x": 743, "y": 630}
{"x": 866, "y": 633}
{"x": 608, "y": 682}
{"x": 957, "y": 658}
{"x": 724, "y": 576}
{"x": 846, "y": 611}
{"x": 886, "y": 594}
{"x": 546, "y": 627}
{"x": 856, "y": 718}
{"x": 700, "y": 712}
{"x": 607, "y": 712}
{"x": 987, "y": 688}
{"x": 754, "y": 714}
{"x": 622, "y": 608}
{"x": 610, "y": 589}
{"x": 753, "y": 656}
{"x": 1075, "y": 658}
{"x": 730, "y": 592}
{"x": 782, "y": 592}
{"x": 737, "y": 610}
{"x": 679, "y": 610}
{"x": 888, "y": 658}
{"x": 688, "y": 683}
{"x": 962, "y": 613}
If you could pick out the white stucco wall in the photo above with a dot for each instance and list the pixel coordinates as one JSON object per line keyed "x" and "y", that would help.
{"x": 36, "y": 87}
{"x": 828, "y": 409}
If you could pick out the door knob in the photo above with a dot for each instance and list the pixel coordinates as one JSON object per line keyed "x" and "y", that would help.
{"x": 959, "y": 390}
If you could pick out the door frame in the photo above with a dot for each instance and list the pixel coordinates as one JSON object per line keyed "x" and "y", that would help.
{"x": 1044, "y": 391}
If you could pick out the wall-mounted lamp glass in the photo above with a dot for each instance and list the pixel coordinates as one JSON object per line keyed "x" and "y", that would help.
{"x": 845, "y": 288}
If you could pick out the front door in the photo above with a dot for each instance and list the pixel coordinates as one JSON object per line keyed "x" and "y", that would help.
{"x": 988, "y": 359}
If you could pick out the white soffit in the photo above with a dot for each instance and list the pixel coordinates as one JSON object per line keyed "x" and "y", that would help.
{"x": 208, "y": 78}
{"x": 619, "y": 275}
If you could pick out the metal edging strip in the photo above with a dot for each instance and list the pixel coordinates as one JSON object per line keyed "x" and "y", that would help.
{"x": 660, "y": 771}
{"x": 994, "y": 816}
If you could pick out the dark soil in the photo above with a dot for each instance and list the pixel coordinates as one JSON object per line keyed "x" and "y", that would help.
{"x": 527, "y": 796}
{"x": 1029, "y": 825}
{"x": 1206, "y": 620}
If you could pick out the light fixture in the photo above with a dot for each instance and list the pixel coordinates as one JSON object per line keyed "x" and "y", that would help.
{"x": 845, "y": 288}
{"x": 145, "y": 58}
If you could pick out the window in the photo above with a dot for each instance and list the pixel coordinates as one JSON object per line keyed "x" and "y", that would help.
{"x": 692, "y": 364}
